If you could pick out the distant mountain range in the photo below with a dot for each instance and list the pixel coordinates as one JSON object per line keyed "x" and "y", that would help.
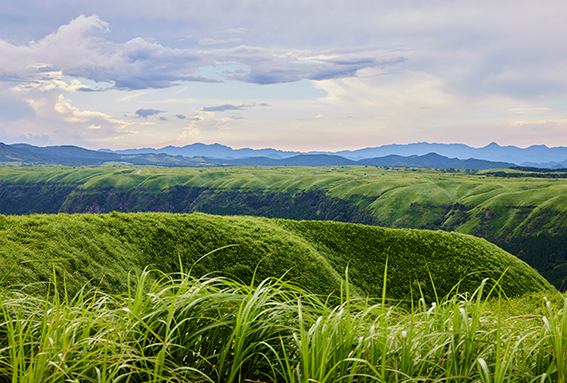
{"x": 536, "y": 155}
{"x": 457, "y": 156}
{"x": 430, "y": 160}
{"x": 24, "y": 154}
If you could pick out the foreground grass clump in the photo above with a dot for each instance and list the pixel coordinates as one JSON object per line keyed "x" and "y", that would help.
{"x": 100, "y": 250}
{"x": 184, "y": 329}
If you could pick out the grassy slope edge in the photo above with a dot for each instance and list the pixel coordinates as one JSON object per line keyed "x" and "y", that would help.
{"x": 100, "y": 250}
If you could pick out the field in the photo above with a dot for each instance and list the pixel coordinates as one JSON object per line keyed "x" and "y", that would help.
{"x": 418, "y": 198}
{"x": 102, "y": 250}
{"x": 526, "y": 216}
{"x": 182, "y": 329}
{"x": 157, "y": 297}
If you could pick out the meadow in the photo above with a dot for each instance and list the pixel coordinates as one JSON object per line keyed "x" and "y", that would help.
{"x": 100, "y": 250}
{"x": 158, "y": 297}
{"x": 179, "y": 328}
{"x": 526, "y": 216}
{"x": 463, "y": 201}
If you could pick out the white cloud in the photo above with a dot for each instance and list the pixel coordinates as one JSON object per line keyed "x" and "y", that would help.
{"x": 550, "y": 122}
{"x": 527, "y": 111}
{"x": 73, "y": 114}
{"x": 234, "y": 30}
{"x": 401, "y": 96}
{"x": 140, "y": 63}
{"x": 47, "y": 81}
{"x": 204, "y": 122}
{"x": 209, "y": 41}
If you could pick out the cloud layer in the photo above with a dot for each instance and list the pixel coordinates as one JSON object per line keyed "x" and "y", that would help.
{"x": 75, "y": 50}
{"x": 335, "y": 74}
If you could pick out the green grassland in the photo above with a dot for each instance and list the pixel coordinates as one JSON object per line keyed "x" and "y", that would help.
{"x": 179, "y": 328}
{"x": 417, "y": 198}
{"x": 514, "y": 213}
{"x": 494, "y": 208}
{"x": 101, "y": 250}
{"x": 185, "y": 329}
{"x": 161, "y": 297}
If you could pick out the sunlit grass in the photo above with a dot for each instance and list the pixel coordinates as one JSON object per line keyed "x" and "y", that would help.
{"x": 99, "y": 250}
{"x": 182, "y": 329}
{"x": 401, "y": 197}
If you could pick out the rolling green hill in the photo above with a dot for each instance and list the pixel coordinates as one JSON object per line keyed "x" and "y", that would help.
{"x": 491, "y": 207}
{"x": 510, "y": 212}
{"x": 101, "y": 250}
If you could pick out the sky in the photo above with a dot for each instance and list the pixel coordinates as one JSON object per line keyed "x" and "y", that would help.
{"x": 292, "y": 75}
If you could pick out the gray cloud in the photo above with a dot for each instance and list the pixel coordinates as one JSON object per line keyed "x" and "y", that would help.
{"x": 145, "y": 113}
{"x": 141, "y": 63}
{"x": 477, "y": 48}
{"x": 163, "y": 118}
{"x": 183, "y": 117}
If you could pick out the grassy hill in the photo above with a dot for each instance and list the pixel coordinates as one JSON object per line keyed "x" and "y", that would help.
{"x": 510, "y": 212}
{"x": 491, "y": 207}
{"x": 101, "y": 250}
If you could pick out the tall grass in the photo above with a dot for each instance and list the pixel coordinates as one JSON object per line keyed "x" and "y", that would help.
{"x": 182, "y": 329}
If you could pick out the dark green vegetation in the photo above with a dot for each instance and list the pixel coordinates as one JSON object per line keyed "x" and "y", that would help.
{"x": 506, "y": 211}
{"x": 545, "y": 252}
{"x": 100, "y": 250}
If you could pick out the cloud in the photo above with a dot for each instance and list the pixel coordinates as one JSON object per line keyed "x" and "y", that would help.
{"x": 274, "y": 67}
{"x": 16, "y": 137}
{"x": 74, "y": 115}
{"x": 527, "y": 111}
{"x": 183, "y": 117}
{"x": 145, "y": 113}
{"x": 234, "y": 30}
{"x": 209, "y": 41}
{"x": 225, "y": 107}
{"x": 205, "y": 122}
{"x": 163, "y": 118}
{"x": 549, "y": 122}
{"x": 76, "y": 50}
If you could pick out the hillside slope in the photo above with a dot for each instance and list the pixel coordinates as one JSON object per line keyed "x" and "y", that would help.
{"x": 491, "y": 207}
{"x": 510, "y": 211}
{"x": 93, "y": 250}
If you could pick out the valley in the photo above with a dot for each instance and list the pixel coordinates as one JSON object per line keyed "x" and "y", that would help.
{"x": 525, "y": 215}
